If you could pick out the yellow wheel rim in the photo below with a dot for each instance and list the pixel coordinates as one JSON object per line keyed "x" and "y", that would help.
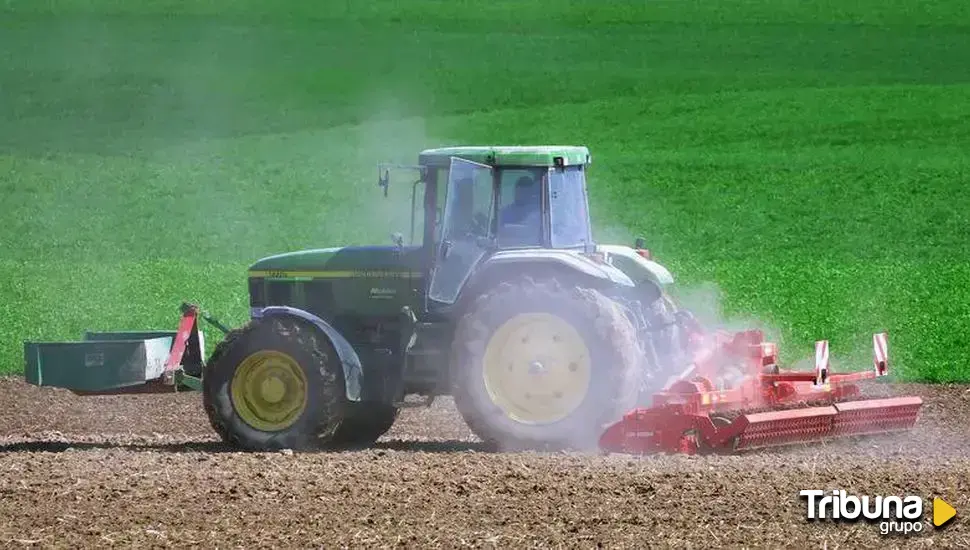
{"x": 269, "y": 390}
{"x": 537, "y": 368}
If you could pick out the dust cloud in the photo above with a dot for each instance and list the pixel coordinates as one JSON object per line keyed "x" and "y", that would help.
{"x": 706, "y": 302}
{"x": 389, "y": 137}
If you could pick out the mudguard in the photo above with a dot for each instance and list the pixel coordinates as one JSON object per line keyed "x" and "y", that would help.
{"x": 636, "y": 266}
{"x": 353, "y": 370}
{"x": 564, "y": 258}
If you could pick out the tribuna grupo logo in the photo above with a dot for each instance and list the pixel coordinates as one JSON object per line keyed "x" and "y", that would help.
{"x": 895, "y": 514}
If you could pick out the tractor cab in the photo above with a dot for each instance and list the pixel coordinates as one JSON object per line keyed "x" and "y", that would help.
{"x": 485, "y": 200}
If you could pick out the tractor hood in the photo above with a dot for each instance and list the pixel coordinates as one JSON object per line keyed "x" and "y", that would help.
{"x": 347, "y": 260}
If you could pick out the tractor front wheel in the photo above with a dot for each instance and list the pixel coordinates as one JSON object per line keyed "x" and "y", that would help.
{"x": 537, "y": 365}
{"x": 274, "y": 384}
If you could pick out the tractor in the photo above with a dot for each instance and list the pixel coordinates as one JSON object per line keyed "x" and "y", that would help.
{"x": 506, "y": 303}
{"x": 503, "y": 300}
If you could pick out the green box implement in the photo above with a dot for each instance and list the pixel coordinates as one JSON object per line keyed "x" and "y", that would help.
{"x": 120, "y": 362}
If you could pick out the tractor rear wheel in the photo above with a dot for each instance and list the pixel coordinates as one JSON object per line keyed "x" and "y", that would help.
{"x": 274, "y": 384}
{"x": 537, "y": 365}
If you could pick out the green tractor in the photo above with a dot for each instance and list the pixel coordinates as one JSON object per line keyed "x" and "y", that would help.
{"x": 506, "y": 304}
{"x": 501, "y": 300}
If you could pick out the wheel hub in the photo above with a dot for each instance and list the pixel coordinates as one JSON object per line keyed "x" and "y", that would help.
{"x": 272, "y": 389}
{"x": 269, "y": 390}
{"x": 537, "y": 368}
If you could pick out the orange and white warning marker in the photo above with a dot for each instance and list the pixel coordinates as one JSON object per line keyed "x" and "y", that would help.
{"x": 880, "y": 353}
{"x": 821, "y": 362}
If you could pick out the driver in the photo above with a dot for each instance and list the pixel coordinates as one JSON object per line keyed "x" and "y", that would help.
{"x": 524, "y": 209}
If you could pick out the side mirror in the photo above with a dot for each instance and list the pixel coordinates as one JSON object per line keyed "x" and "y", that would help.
{"x": 383, "y": 180}
{"x": 640, "y": 243}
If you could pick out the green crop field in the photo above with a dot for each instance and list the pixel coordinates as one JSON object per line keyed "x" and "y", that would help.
{"x": 809, "y": 160}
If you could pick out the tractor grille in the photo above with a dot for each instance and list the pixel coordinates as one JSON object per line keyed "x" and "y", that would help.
{"x": 314, "y": 296}
{"x": 257, "y": 293}
{"x": 263, "y": 293}
{"x": 318, "y": 295}
{"x": 278, "y": 293}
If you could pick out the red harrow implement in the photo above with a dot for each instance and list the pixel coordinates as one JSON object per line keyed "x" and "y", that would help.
{"x": 735, "y": 398}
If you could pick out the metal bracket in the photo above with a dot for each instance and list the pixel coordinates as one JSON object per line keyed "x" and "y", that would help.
{"x": 384, "y": 173}
{"x": 188, "y": 327}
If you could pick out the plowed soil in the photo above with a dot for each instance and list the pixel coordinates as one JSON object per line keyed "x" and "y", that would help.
{"x": 98, "y": 472}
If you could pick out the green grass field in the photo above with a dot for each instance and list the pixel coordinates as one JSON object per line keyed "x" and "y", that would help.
{"x": 808, "y": 158}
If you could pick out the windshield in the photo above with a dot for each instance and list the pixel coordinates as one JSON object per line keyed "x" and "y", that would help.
{"x": 518, "y": 216}
{"x": 567, "y": 207}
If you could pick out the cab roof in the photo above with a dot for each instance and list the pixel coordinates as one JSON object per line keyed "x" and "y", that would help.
{"x": 496, "y": 155}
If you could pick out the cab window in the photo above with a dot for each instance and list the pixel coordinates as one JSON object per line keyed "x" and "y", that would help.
{"x": 568, "y": 216}
{"x": 519, "y": 218}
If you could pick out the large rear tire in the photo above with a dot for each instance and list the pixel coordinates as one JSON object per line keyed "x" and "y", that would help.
{"x": 536, "y": 365}
{"x": 274, "y": 384}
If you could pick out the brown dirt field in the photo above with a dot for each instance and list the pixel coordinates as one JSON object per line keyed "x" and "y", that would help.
{"x": 147, "y": 471}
